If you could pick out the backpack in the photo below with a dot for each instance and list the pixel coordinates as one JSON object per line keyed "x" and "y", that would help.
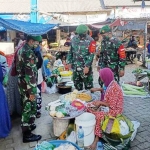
{"x": 148, "y": 47}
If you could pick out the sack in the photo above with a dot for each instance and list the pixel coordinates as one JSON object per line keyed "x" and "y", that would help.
{"x": 112, "y": 129}
{"x": 44, "y": 86}
{"x": 51, "y": 90}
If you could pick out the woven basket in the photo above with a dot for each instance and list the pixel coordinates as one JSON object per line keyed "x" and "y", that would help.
{"x": 59, "y": 126}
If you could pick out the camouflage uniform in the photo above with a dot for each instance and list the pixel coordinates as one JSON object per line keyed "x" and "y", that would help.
{"x": 80, "y": 57}
{"x": 27, "y": 79}
{"x": 109, "y": 56}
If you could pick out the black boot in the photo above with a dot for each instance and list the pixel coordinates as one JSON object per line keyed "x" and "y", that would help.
{"x": 30, "y": 137}
{"x": 33, "y": 126}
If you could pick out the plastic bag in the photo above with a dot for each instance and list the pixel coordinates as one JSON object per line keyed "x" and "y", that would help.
{"x": 136, "y": 126}
{"x": 72, "y": 137}
{"x": 115, "y": 132}
{"x": 51, "y": 90}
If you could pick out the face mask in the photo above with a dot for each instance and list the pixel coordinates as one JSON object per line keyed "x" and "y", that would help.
{"x": 82, "y": 36}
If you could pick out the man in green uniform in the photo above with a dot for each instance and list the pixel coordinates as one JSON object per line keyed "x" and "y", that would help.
{"x": 27, "y": 81}
{"x": 80, "y": 57}
{"x": 112, "y": 54}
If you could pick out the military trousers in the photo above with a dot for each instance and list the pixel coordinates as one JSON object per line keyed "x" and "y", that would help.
{"x": 28, "y": 108}
{"x": 80, "y": 79}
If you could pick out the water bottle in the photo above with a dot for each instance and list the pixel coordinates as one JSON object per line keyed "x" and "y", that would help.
{"x": 80, "y": 137}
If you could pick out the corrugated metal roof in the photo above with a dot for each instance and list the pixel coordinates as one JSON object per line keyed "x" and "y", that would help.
{"x": 113, "y": 3}
{"x": 55, "y": 6}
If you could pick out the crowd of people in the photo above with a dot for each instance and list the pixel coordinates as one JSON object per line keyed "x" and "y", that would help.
{"x": 26, "y": 73}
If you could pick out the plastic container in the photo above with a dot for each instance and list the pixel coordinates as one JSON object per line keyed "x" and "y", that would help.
{"x": 87, "y": 121}
{"x": 66, "y": 79}
{"x": 80, "y": 137}
{"x": 59, "y": 126}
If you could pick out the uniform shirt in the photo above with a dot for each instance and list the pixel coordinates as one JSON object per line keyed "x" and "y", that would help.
{"x": 79, "y": 55}
{"x": 109, "y": 56}
{"x": 27, "y": 69}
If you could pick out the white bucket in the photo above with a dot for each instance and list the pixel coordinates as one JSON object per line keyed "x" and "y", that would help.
{"x": 87, "y": 121}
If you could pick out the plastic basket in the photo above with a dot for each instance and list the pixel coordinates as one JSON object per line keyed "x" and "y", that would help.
{"x": 59, "y": 126}
{"x": 57, "y": 143}
{"x": 10, "y": 58}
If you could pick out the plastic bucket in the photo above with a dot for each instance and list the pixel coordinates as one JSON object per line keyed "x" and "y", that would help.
{"x": 87, "y": 121}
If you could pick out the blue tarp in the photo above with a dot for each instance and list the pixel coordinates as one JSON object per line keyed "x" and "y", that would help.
{"x": 26, "y": 27}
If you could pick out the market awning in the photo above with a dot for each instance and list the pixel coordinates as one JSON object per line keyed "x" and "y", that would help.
{"x": 101, "y": 24}
{"x": 118, "y": 22}
{"x": 133, "y": 25}
{"x": 26, "y": 27}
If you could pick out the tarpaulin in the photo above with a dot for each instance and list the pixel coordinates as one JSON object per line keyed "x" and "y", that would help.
{"x": 26, "y": 27}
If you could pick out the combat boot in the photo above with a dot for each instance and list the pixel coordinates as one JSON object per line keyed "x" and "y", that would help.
{"x": 30, "y": 137}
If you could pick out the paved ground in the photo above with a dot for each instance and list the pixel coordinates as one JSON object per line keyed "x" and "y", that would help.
{"x": 134, "y": 108}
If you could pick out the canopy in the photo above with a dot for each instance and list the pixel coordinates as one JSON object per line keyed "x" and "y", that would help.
{"x": 133, "y": 25}
{"x": 118, "y": 22}
{"x": 26, "y": 27}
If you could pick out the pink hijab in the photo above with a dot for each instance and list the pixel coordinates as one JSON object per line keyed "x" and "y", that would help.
{"x": 106, "y": 75}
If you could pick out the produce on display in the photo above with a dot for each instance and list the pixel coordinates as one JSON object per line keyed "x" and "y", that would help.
{"x": 77, "y": 95}
{"x": 134, "y": 90}
{"x": 84, "y": 97}
{"x": 137, "y": 71}
{"x": 138, "y": 83}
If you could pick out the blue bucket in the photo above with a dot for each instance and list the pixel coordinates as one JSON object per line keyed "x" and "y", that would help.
{"x": 57, "y": 143}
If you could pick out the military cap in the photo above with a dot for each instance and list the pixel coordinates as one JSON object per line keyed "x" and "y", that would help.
{"x": 35, "y": 38}
{"x": 81, "y": 29}
{"x": 105, "y": 29}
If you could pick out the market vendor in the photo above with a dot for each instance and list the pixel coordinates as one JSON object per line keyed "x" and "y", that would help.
{"x": 80, "y": 57}
{"x": 113, "y": 102}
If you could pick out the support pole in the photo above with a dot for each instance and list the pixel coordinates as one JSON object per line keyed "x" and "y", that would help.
{"x": 145, "y": 39}
{"x": 34, "y": 11}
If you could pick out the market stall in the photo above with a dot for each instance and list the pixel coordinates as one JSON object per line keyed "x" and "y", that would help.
{"x": 24, "y": 27}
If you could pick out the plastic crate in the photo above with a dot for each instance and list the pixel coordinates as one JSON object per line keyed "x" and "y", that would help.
{"x": 9, "y": 58}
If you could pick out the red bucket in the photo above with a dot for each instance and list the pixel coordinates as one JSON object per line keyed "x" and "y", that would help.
{"x": 10, "y": 58}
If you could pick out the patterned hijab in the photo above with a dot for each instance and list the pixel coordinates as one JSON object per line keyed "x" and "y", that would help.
{"x": 106, "y": 75}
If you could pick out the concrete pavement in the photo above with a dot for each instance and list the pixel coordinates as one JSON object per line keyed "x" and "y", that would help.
{"x": 134, "y": 108}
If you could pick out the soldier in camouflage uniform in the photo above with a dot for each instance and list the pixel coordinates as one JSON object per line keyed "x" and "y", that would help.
{"x": 112, "y": 54}
{"x": 80, "y": 57}
{"x": 27, "y": 82}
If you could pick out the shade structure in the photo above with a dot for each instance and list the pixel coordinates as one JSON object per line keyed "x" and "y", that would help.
{"x": 118, "y": 22}
{"x": 27, "y": 27}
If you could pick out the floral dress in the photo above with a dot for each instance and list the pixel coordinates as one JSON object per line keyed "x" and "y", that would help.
{"x": 114, "y": 97}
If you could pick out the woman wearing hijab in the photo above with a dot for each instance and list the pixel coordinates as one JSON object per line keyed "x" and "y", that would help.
{"x": 13, "y": 95}
{"x": 5, "y": 123}
{"x": 113, "y": 101}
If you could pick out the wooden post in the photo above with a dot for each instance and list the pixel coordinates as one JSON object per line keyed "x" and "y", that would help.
{"x": 58, "y": 36}
{"x": 145, "y": 40}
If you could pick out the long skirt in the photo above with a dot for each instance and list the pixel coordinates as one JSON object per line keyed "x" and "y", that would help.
{"x": 5, "y": 122}
{"x": 13, "y": 95}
